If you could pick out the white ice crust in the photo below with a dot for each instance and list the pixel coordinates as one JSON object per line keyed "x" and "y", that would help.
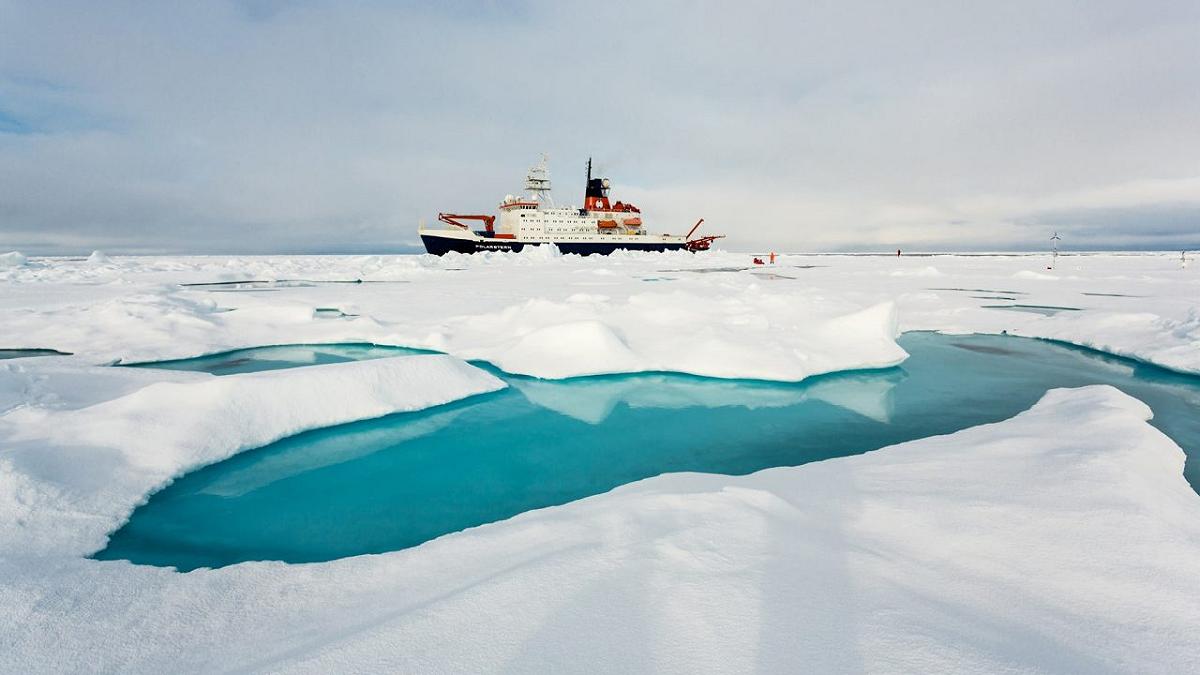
{"x": 1064, "y": 539}
{"x": 558, "y": 316}
{"x": 500, "y": 312}
{"x": 69, "y": 477}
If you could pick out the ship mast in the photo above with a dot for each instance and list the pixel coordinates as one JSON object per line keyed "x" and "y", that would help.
{"x": 537, "y": 181}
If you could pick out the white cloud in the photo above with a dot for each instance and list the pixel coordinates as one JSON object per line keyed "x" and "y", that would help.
{"x": 314, "y": 125}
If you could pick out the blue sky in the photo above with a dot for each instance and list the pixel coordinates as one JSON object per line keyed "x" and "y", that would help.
{"x": 278, "y": 126}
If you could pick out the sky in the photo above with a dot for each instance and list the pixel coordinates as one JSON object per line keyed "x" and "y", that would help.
{"x": 277, "y": 126}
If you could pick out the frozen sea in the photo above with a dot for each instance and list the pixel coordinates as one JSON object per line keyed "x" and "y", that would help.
{"x": 531, "y": 463}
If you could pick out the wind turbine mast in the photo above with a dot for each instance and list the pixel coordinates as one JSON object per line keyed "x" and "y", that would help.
{"x": 537, "y": 181}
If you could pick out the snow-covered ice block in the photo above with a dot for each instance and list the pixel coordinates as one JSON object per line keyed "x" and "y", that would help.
{"x": 751, "y": 334}
{"x": 70, "y": 477}
{"x": 13, "y": 259}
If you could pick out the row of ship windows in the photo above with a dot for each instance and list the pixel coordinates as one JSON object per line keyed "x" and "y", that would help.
{"x": 574, "y": 238}
{"x": 552, "y": 221}
{"x": 593, "y": 234}
{"x": 558, "y": 230}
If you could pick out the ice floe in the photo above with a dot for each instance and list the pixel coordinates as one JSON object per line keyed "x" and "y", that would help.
{"x": 71, "y": 475}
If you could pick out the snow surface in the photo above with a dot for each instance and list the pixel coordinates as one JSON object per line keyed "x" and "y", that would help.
{"x": 557, "y": 316}
{"x": 720, "y": 330}
{"x": 1010, "y": 546}
{"x": 1064, "y": 539}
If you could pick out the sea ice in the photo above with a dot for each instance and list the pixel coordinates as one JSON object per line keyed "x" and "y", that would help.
{"x": 1064, "y": 539}
{"x": 728, "y": 323}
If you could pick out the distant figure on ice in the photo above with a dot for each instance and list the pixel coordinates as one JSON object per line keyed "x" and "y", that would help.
{"x": 897, "y": 253}
{"x": 758, "y": 261}
{"x": 772, "y": 257}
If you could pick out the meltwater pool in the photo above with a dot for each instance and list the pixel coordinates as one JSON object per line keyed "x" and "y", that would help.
{"x": 397, "y": 481}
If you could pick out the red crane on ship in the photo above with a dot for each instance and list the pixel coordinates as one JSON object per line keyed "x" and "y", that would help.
{"x": 454, "y": 218}
{"x": 700, "y": 243}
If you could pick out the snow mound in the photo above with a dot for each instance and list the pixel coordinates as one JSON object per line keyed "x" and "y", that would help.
{"x": 77, "y": 474}
{"x": 746, "y": 334}
{"x": 13, "y": 259}
{"x": 98, "y": 258}
{"x": 567, "y": 349}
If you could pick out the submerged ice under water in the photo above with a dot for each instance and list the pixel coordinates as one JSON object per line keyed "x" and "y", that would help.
{"x": 276, "y": 357}
{"x": 25, "y": 353}
{"x": 397, "y": 481}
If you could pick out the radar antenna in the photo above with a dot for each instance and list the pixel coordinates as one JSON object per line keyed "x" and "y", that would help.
{"x": 537, "y": 181}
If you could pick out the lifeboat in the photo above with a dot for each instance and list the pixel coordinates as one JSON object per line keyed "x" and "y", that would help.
{"x": 632, "y": 222}
{"x": 607, "y": 224}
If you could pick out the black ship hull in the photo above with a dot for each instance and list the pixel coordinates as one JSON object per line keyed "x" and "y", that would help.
{"x": 442, "y": 245}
